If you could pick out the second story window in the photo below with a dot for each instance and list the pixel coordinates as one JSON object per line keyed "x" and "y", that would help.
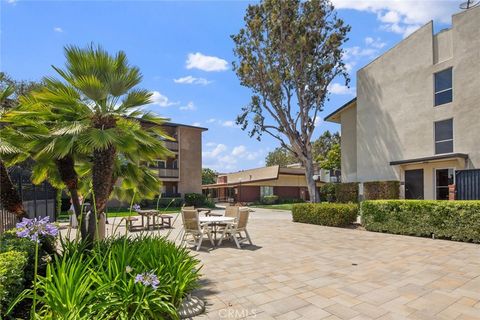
{"x": 443, "y": 87}
{"x": 444, "y": 136}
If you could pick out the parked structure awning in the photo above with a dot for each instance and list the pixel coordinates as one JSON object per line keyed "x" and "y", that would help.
{"x": 439, "y": 157}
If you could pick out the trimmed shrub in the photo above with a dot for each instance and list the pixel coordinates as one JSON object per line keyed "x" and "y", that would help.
{"x": 455, "y": 220}
{"x": 198, "y": 200}
{"x": 339, "y": 192}
{"x": 346, "y": 192}
{"x": 12, "y": 277}
{"x": 381, "y": 190}
{"x": 328, "y": 192}
{"x": 325, "y": 214}
{"x": 269, "y": 199}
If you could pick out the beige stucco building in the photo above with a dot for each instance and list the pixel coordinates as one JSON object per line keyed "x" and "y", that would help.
{"x": 253, "y": 184}
{"x": 416, "y": 117}
{"x": 181, "y": 173}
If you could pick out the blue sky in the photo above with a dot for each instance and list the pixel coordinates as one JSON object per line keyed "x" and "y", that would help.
{"x": 185, "y": 52}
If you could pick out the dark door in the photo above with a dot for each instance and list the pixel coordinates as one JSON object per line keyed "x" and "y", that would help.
{"x": 414, "y": 184}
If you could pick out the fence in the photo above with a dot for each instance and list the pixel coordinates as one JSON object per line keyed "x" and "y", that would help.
{"x": 38, "y": 200}
{"x": 468, "y": 184}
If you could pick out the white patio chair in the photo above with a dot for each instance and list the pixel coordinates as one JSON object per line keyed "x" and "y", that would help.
{"x": 234, "y": 230}
{"x": 231, "y": 211}
{"x": 193, "y": 227}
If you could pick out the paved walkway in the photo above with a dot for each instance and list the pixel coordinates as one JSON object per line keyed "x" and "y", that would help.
{"x": 301, "y": 271}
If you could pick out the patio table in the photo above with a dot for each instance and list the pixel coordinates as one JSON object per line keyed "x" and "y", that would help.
{"x": 214, "y": 221}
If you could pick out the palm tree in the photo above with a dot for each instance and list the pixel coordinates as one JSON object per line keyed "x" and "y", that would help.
{"x": 9, "y": 197}
{"x": 93, "y": 115}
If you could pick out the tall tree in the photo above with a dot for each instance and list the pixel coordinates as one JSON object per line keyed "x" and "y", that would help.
{"x": 332, "y": 161}
{"x": 94, "y": 116}
{"x": 280, "y": 157}
{"x": 323, "y": 144}
{"x": 288, "y": 54}
{"x": 10, "y": 91}
{"x": 209, "y": 176}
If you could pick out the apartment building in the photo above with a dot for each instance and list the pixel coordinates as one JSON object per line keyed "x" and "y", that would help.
{"x": 416, "y": 116}
{"x": 182, "y": 172}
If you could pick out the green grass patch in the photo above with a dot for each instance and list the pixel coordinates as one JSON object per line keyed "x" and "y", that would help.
{"x": 285, "y": 206}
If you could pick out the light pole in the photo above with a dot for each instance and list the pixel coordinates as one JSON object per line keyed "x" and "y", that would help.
{"x": 315, "y": 178}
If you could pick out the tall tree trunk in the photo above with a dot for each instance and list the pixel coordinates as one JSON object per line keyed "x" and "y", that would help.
{"x": 102, "y": 180}
{"x": 311, "y": 183}
{"x": 66, "y": 168}
{"x": 9, "y": 197}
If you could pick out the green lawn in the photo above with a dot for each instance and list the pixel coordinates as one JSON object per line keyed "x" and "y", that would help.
{"x": 285, "y": 206}
{"x": 122, "y": 213}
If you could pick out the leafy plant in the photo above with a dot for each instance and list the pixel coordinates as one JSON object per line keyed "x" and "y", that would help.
{"x": 455, "y": 220}
{"x": 381, "y": 190}
{"x": 12, "y": 277}
{"x": 325, "y": 214}
{"x": 269, "y": 199}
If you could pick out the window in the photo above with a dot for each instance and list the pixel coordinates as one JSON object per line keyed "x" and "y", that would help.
{"x": 266, "y": 191}
{"x": 443, "y": 87}
{"x": 161, "y": 164}
{"x": 444, "y": 136}
{"x": 443, "y": 178}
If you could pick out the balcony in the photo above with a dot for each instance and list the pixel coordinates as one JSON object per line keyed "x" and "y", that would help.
{"x": 171, "y": 145}
{"x": 168, "y": 173}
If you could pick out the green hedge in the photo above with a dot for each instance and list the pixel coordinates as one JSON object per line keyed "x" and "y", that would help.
{"x": 12, "y": 277}
{"x": 198, "y": 200}
{"x": 269, "y": 199}
{"x": 381, "y": 190}
{"x": 325, "y": 214}
{"x": 339, "y": 192}
{"x": 455, "y": 220}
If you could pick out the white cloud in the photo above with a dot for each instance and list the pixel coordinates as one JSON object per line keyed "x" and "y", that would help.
{"x": 375, "y": 43}
{"x": 403, "y": 16}
{"x": 196, "y": 124}
{"x": 211, "y": 120}
{"x": 206, "y": 63}
{"x": 12, "y": 1}
{"x": 337, "y": 88}
{"x": 58, "y": 29}
{"x": 192, "y": 80}
{"x": 161, "y": 100}
{"x": 228, "y": 123}
{"x": 216, "y": 151}
{"x": 239, "y": 150}
{"x": 189, "y": 107}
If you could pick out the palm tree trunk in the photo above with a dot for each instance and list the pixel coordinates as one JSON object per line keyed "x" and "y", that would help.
{"x": 102, "y": 179}
{"x": 9, "y": 197}
{"x": 66, "y": 168}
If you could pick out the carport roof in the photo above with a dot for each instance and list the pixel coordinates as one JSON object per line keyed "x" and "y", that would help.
{"x": 431, "y": 158}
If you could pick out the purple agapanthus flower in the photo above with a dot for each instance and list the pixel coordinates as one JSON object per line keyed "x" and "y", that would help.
{"x": 34, "y": 228}
{"x": 148, "y": 279}
{"x": 136, "y": 207}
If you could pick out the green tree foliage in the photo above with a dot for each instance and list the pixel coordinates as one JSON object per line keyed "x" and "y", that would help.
{"x": 209, "y": 176}
{"x": 288, "y": 53}
{"x": 89, "y": 124}
{"x": 324, "y": 144}
{"x": 280, "y": 157}
{"x": 333, "y": 159}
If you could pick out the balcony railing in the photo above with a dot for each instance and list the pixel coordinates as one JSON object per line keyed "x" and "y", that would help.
{"x": 168, "y": 173}
{"x": 171, "y": 145}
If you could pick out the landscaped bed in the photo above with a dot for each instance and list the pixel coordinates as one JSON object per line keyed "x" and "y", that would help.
{"x": 145, "y": 277}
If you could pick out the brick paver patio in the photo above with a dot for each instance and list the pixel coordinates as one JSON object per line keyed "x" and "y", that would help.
{"x": 301, "y": 271}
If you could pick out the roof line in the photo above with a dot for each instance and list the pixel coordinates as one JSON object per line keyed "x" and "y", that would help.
{"x": 340, "y": 109}
{"x": 431, "y": 158}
